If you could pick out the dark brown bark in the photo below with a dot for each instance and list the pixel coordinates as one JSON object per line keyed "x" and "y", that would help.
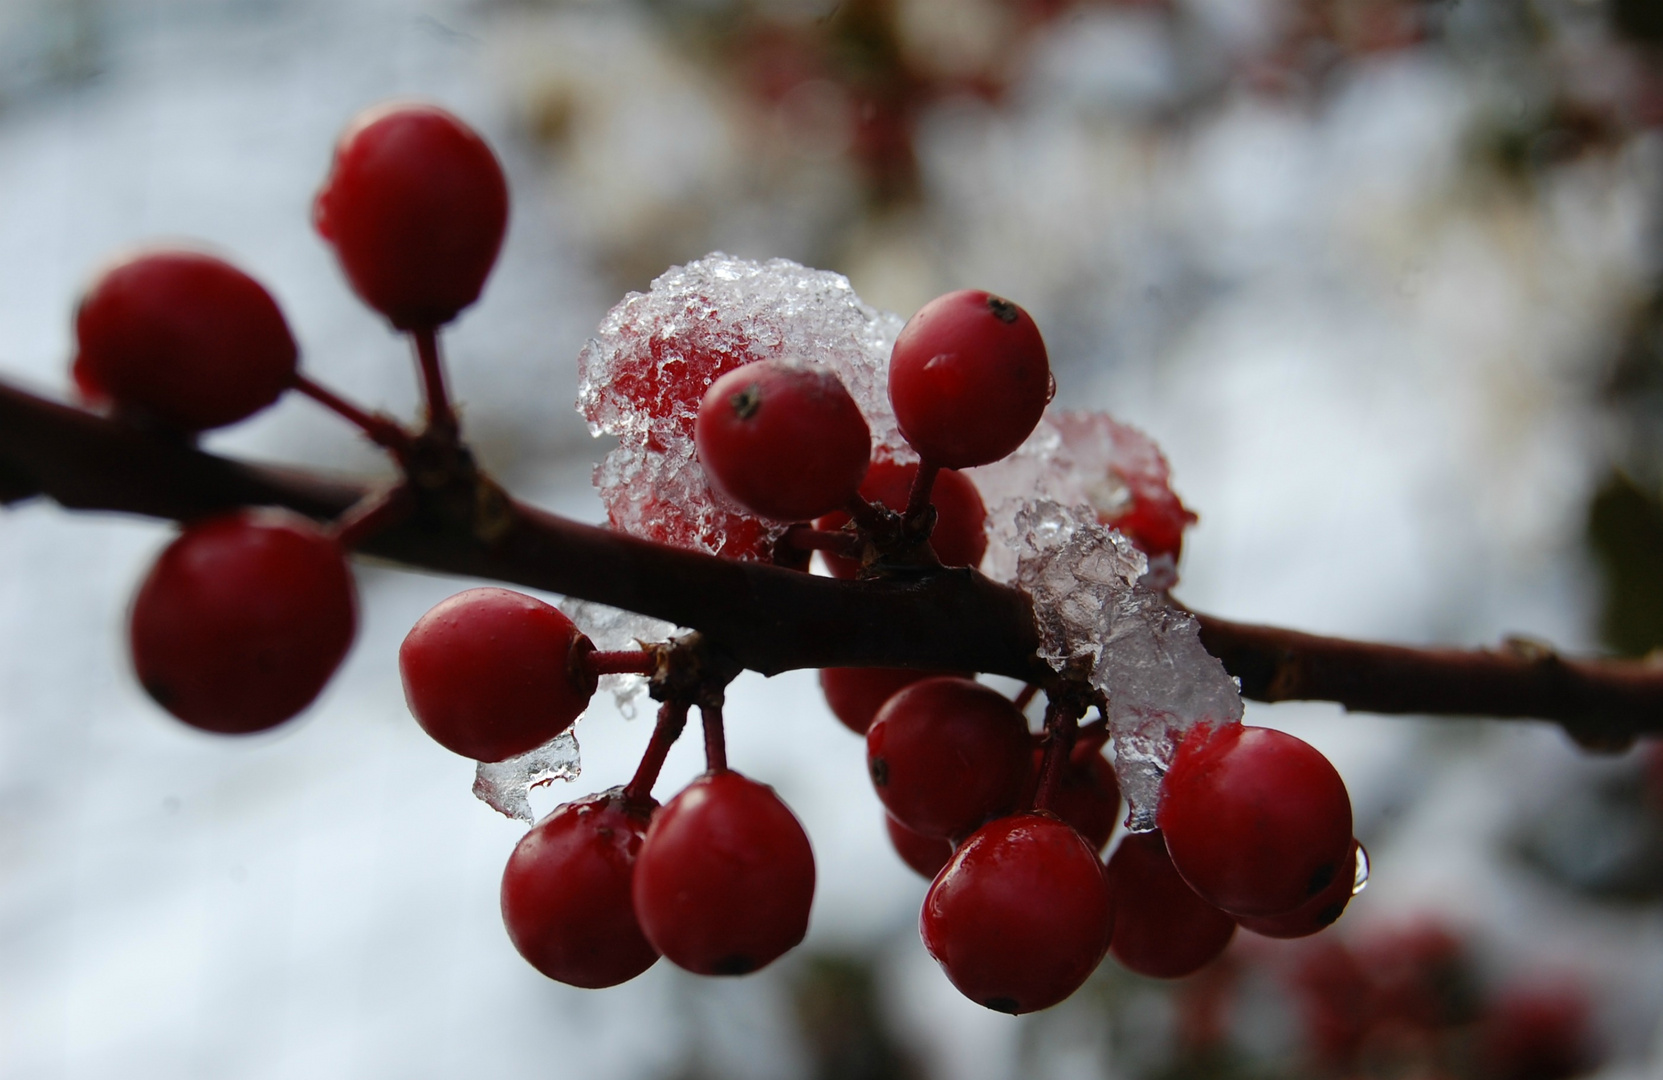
{"x": 771, "y": 619}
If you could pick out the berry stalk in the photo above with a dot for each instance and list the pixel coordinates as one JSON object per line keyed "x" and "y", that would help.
{"x": 672, "y": 718}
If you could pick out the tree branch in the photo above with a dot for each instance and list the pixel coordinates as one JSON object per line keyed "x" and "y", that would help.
{"x": 772, "y": 619}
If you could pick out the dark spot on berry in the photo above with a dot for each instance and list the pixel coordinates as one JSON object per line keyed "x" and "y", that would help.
{"x": 880, "y": 772}
{"x": 747, "y": 402}
{"x": 1321, "y": 878}
{"x": 1002, "y": 309}
{"x": 1002, "y": 1004}
{"x": 733, "y": 965}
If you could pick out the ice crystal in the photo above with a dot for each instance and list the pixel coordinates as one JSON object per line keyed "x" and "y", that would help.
{"x": 505, "y": 786}
{"x": 613, "y": 630}
{"x": 1095, "y": 611}
{"x": 646, "y": 369}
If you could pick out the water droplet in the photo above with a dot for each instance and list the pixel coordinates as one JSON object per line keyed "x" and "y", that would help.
{"x": 1361, "y": 881}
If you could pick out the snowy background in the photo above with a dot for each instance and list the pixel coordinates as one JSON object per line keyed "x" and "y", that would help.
{"x": 1366, "y": 290}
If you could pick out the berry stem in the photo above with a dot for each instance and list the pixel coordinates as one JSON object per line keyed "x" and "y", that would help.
{"x": 715, "y": 739}
{"x": 623, "y": 662}
{"x": 372, "y": 514}
{"x": 672, "y": 717}
{"x": 1025, "y": 696}
{"x": 1061, "y": 725}
{"x": 381, "y": 430}
{"x": 918, "y": 499}
{"x": 439, "y": 413}
{"x": 807, "y": 538}
{"x": 865, "y": 514}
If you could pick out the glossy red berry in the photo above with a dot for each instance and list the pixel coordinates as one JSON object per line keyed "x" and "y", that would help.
{"x": 242, "y": 620}
{"x": 783, "y": 439}
{"x": 415, "y": 206}
{"x": 1161, "y": 928}
{"x": 1256, "y": 820}
{"x": 566, "y": 892}
{"x": 969, "y": 379}
{"x": 182, "y": 337}
{"x": 1320, "y": 911}
{"x": 856, "y": 694}
{"x": 1020, "y": 915}
{"x": 959, "y": 537}
{"x": 725, "y": 877}
{"x": 924, "y": 854}
{"x": 491, "y": 673}
{"x": 947, "y": 754}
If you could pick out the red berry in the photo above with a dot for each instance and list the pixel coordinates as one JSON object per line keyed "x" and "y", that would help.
{"x": 415, "y": 206}
{"x": 725, "y": 877}
{"x": 1161, "y": 928}
{"x": 960, "y": 536}
{"x": 1087, "y": 794}
{"x": 924, "y": 854}
{"x": 969, "y": 379}
{"x": 183, "y": 337}
{"x": 1020, "y": 915}
{"x": 947, "y": 754}
{"x": 856, "y": 694}
{"x": 491, "y": 673}
{"x": 1537, "y": 1033}
{"x": 1256, "y": 820}
{"x": 783, "y": 439}
{"x": 566, "y": 892}
{"x": 1319, "y": 912}
{"x": 242, "y": 620}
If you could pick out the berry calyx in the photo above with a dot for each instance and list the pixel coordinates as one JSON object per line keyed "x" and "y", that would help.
{"x": 783, "y": 439}
{"x": 926, "y": 855}
{"x": 491, "y": 673}
{"x": 725, "y": 877}
{"x": 182, "y": 337}
{"x": 959, "y": 537}
{"x": 969, "y": 379}
{"x": 1256, "y": 820}
{"x": 947, "y": 754}
{"x": 1161, "y": 928}
{"x": 566, "y": 892}
{"x": 1320, "y": 911}
{"x": 242, "y": 620}
{"x": 1020, "y": 915}
{"x": 415, "y": 206}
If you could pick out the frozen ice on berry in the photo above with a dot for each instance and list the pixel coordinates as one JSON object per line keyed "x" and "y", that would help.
{"x": 1096, "y": 610}
{"x": 645, "y": 371}
{"x": 615, "y": 630}
{"x": 1086, "y": 459}
{"x": 505, "y": 786}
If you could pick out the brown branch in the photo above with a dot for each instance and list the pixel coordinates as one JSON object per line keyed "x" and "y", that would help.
{"x": 772, "y": 619}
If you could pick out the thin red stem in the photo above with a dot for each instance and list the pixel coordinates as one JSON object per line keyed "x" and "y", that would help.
{"x": 865, "y": 514}
{"x": 715, "y": 739}
{"x": 381, "y": 430}
{"x": 623, "y": 662}
{"x": 922, "y": 484}
{"x": 810, "y": 539}
{"x": 439, "y": 413}
{"x": 1025, "y": 696}
{"x": 1061, "y": 725}
{"x": 672, "y": 717}
{"x": 372, "y": 515}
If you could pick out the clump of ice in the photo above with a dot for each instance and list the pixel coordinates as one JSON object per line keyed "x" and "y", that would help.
{"x": 1095, "y": 610}
{"x": 613, "y": 630}
{"x": 1076, "y": 459}
{"x": 505, "y": 786}
{"x": 645, "y": 371}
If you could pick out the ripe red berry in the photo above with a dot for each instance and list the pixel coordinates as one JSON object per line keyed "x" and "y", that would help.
{"x": 183, "y": 337}
{"x": 1020, "y": 915}
{"x": 1319, "y": 912}
{"x": 960, "y": 536}
{"x": 415, "y": 206}
{"x": 924, "y": 854}
{"x": 491, "y": 673}
{"x": 1256, "y": 820}
{"x": 783, "y": 439}
{"x": 947, "y": 754}
{"x": 856, "y": 694}
{"x": 566, "y": 892}
{"x": 1161, "y": 928}
{"x": 968, "y": 379}
{"x": 242, "y": 620}
{"x": 725, "y": 877}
